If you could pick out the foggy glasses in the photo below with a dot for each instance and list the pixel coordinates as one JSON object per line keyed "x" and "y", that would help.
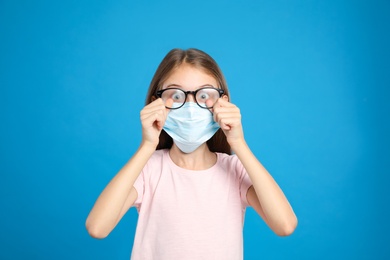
{"x": 204, "y": 97}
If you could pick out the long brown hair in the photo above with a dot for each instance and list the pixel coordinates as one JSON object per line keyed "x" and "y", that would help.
{"x": 199, "y": 60}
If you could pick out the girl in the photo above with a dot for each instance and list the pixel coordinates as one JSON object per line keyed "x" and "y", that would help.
{"x": 190, "y": 192}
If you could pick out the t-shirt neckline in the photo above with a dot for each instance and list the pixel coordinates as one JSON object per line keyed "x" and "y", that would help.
{"x": 188, "y": 171}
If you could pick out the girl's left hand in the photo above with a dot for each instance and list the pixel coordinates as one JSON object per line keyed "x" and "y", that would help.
{"x": 228, "y": 117}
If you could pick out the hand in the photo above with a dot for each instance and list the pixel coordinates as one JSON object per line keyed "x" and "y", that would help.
{"x": 228, "y": 117}
{"x": 153, "y": 118}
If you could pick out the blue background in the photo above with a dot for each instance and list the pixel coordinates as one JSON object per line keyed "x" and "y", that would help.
{"x": 311, "y": 79}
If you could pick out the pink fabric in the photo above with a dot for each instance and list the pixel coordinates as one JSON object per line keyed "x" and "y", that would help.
{"x": 185, "y": 214}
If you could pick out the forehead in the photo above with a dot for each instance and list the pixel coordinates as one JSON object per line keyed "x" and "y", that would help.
{"x": 189, "y": 78}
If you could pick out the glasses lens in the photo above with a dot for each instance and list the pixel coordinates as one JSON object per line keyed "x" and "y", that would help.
{"x": 177, "y": 95}
{"x": 207, "y": 97}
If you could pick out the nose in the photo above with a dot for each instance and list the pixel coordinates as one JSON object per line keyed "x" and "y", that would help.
{"x": 190, "y": 97}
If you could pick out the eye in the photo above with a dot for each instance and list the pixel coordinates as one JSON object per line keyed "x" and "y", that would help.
{"x": 207, "y": 97}
{"x": 203, "y": 96}
{"x": 176, "y": 95}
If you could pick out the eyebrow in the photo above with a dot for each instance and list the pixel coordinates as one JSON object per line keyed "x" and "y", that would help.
{"x": 178, "y": 86}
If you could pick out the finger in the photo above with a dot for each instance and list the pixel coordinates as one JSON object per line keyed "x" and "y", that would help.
{"x": 232, "y": 118}
{"x": 160, "y": 121}
{"x": 169, "y": 103}
{"x": 224, "y": 125}
{"x": 223, "y": 112}
{"x": 209, "y": 103}
{"x": 158, "y": 107}
{"x": 152, "y": 108}
{"x": 223, "y": 103}
{"x": 160, "y": 124}
{"x": 149, "y": 119}
{"x": 233, "y": 115}
{"x": 228, "y": 123}
{"x": 156, "y": 103}
{"x": 147, "y": 113}
{"x": 227, "y": 110}
{"x": 153, "y": 119}
{"x": 216, "y": 105}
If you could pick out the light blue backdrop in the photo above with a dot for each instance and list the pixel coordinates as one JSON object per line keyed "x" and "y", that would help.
{"x": 311, "y": 79}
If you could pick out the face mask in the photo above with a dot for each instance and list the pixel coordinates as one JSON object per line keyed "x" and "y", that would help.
{"x": 190, "y": 126}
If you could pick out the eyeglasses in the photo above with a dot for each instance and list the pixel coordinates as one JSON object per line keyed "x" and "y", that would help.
{"x": 204, "y": 97}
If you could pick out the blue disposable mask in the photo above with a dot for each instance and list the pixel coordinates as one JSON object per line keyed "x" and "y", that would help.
{"x": 190, "y": 126}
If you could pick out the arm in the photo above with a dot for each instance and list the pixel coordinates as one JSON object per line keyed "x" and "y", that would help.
{"x": 118, "y": 196}
{"x": 264, "y": 196}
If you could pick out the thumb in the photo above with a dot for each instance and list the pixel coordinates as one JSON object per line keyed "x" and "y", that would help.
{"x": 216, "y": 105}
{"x": 169, "y": 102}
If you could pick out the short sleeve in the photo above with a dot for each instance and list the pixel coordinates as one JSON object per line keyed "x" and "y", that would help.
{"x": 143, "y": 181}
{"x": 244, "y": 180}
{"x": 139, "y": 186}
{"x": 246, "y": 183}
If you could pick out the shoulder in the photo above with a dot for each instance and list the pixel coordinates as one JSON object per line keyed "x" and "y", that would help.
{"x": 232, "y": 165}
{"x": 158, "y": 155}
{"x": 155, "y": 161}
{"x": 227, "y": 158}
{"x": 230, "y": 162}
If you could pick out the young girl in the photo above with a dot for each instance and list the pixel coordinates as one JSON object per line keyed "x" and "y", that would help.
{"x": 190, "y": 192}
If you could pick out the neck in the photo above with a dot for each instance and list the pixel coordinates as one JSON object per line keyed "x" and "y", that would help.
{"x": 200, "y": 159}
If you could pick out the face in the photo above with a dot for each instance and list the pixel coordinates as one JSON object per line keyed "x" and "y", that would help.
{"x": 190, "y": 78}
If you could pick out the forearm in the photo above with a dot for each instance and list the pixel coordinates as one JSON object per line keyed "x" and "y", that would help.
{"x": 276, "y": 208}
{"x": 106, "y": 211}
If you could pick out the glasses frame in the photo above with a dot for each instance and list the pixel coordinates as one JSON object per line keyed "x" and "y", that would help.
{"x": 160, "y": 92}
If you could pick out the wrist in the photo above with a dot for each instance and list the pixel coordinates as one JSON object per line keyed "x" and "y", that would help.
{"x": 148, "y": 146}
{"x": 238, "y": 145}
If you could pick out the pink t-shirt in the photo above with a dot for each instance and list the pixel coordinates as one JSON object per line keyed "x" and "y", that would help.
{"x": 185, "y": 214}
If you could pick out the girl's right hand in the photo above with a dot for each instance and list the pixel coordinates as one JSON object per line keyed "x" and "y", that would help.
{"x": 153, "y": 118}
